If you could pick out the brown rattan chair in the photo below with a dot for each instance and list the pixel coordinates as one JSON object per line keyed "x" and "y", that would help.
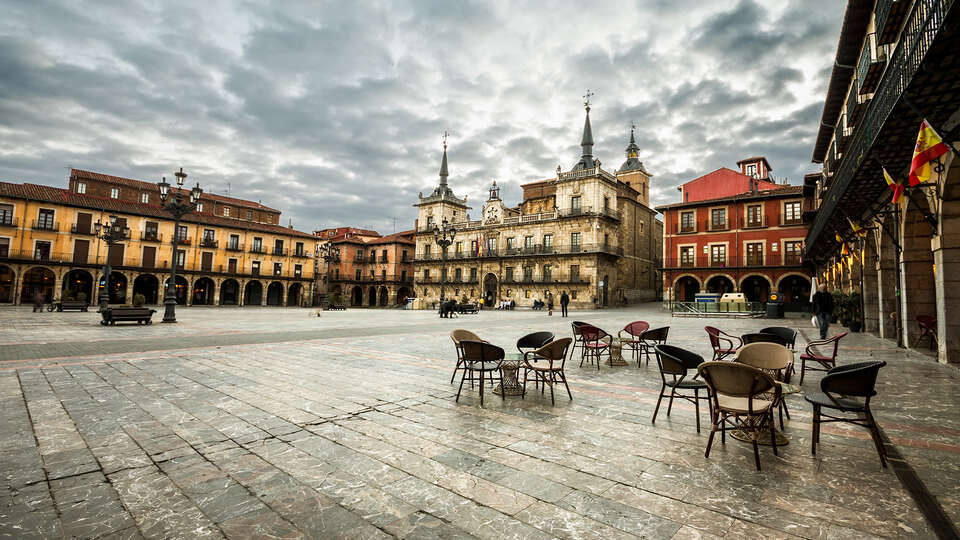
{"x": 595, "y": 343}
{"x": 577, "y": 337}
{"x": 722, "y": 342}
{"x": 928, "y": 329}
{"x": 543, "y": 364}
{"x": 738, "y": 393}
{"x": 772, "y": 358}
{"x": 811, "y": 355}
{"x": 632, "y": 342}
{"x": 480, "y": 357}
{"x": 459, "y": 336}
{"x": 839, "y": 389}
{"x": 650, "y": 339}
{"x": 674, "y": 363}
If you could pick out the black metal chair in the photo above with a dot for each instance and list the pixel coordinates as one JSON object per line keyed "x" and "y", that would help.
{"x": 839, "y": 389}
{"x": 480, "y": 357}
{"x": 674, "y": 363}
{"x": 534, "y": 341}
{"x": 650, "y": 339}
{"x": 763, "y": 338}
{"x": 788, "y": 334}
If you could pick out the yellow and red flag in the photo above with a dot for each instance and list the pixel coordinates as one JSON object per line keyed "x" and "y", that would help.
{"x": 897, "y": 187}
{"x": 858, "y": 230}
{"x": 928, "y": 148}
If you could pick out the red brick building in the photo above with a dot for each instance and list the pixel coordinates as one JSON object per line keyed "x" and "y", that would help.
{"x": 373, "y": 270}
{"x": 736, "y": 232}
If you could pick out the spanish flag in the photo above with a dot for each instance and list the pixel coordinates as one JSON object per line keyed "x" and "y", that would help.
{"x": 897, "y": 187}
{"x": 929, "y": 147}
{"x": 858, "y": 230}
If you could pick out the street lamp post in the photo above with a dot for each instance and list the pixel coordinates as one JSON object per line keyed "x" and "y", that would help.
{"x": 329, "y": 253}
{"x": 110, "y": 233}
{"x": 177, "y": 205}
{"x": 443, "y": 235}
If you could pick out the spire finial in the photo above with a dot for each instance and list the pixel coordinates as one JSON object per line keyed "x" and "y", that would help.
{"x": 443, "y": 163}
{"x": 586, "y": 160}
{"x": 445, "y": 139}
{"x": 586, "y": 99}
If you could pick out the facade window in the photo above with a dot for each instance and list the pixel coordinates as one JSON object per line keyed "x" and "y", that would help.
{"x": 249, "y": 215}
{"x": 573, "y": 295}
{"x": 145, "y": 198}
{"x": 687, "y": 256}
{"x": 403, "y": 275}
{"x": 547, "y": 241}
{"x": 473, "y": 274}
{"x": 755, "y": 253}
{"x": 791, "y": 212}
{"x": 357, "y": 275}
{"x": 528, "y": 243}
{"x": 181, "y": 258}
{"x": 383, "y": 275}
{"x": 150, "y": 230}
{"x": 81, "y": 187}
{"x": 473, "y": 247}
{"x": 491, "y": 245}
{"x": 754, "y": 218}
{"x": 547, "y": 272}
{"x": 606, "y": 240}
{"x": 45, "y": 219}
{"x": 511, "y": 243}
{"x": 575, "y": 203}
{"x": 752, "y": 171}
{"x": 234, "y": 242}
{"x": 606, "y": 204}
{"x": 383, "y": 255}
{"x": 791, "y": 251}
{"x": 257, "y": 245}
{"x": 459, "y": 249}
{"x": 298, "y": 249}
{"x": 208, "y": 237}
{"x": 297, "y": 270}
{"x": 574, "y": 272}
{"x": 526, "y": 293}
{"x": 41, "y": 251}
{"x": 403, "y": 256}
{"x": 200, "y": 207}
{"x": 718, "y": 255}
{"x": 718, "y": 218}
{"x": 277, "y": 268}
{"x": 255, "y": 269}
{"x": 426, "y": 274}
{"x": 182, "y": 233}
{"x": 687, "y": 223}
{"x": 429, "y": 221}
{"x": 458, "y": 274}
{"x": 336, "y": 273}
{"x": 278, "y": 247}
{"x": 114, "y": 193}
{"x": 528, "y": 273}
{"x": 226, "y": 211}
{"x": 575, "y": 241}
{"x": 426, "y": 250}
{"x": 509, "y": 273}
{"x": 232, "y": 266}
{"x": 6, "y": 214}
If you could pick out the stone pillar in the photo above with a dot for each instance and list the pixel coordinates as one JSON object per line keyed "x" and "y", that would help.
{"x": 58, "y": 285}
{"x": 240, "y": 290}
{"x": 129, "y": 297}
{"x": 216, "y": 291}
{"x": 916, "y": 274}
{"x": 189, "y": 291}
{"x": 17, "y": 285}
{"x": 871, "y": 291}
{"x": 263, "y": 294}
{"x": 946, "y": 259}
{"x": 285, "y": 300}
{"x": 887, "y": 285}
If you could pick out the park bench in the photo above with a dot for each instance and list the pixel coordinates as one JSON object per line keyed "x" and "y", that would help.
{"x": 114, "y": 315}
{"x": 337, "y": 307}
{"x": 67, "y": 305}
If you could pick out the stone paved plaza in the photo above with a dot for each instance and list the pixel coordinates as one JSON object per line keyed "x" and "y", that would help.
{"x": 275, "y": 423}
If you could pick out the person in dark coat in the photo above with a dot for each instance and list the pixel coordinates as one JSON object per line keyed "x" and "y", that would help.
{"x": 564, "y": 300}
{"x": 823, "y": 309}
{"x": 550, "y": 303}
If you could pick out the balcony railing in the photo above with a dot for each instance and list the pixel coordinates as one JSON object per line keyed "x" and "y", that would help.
{"x": 553, "y": 278}
{"x": 873, "y": 59}
{"x": 233, "y": 246}
{"x": 711, "y": 225}
{"x": 209, "y": 243}
{"x": 300, "y": 254}
{"x": 151, "y": 236}
{"x": 785, "y": 221}
{"x": 755, "y": 223}
{"x": 8, "y": 221}
{"x": 686, "y": 229}
{"x": 77, "y": 229}
{"x": 743, "y": 261}
{"x": 257, "y": 249}
{"x": 45, "y": 225}
{"x": 182, "y": 240}
{"x": 889, "y": 16}
{"x": 536, "y": 250}
{"x": 841, "y": 133}
{"x": 279, "y": 252}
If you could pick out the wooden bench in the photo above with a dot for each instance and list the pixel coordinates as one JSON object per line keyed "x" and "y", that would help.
{"x": 337, "y": 307}
{"x": 67, "y": 305}
{"x": 112, "y": 316}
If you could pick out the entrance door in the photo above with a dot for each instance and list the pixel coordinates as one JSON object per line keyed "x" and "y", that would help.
{"x": 116, "y": 255}
{"x": 81, "y": 249}
{"x": 206, "y": 261}
{"x": 149, "y": 256}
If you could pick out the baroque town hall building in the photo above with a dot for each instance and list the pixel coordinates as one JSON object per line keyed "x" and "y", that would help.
{"x": 586, "y": 231}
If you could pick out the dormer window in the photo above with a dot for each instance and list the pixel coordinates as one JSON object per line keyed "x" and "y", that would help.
{"x": 752, "y": 170}
{"x": 114, "y": 193}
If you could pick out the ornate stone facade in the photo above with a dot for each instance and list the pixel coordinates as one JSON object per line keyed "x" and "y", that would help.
{"x": 586, "y": 231}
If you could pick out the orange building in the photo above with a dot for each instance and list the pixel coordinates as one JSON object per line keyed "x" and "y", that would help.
{"x": 373, "y": 270}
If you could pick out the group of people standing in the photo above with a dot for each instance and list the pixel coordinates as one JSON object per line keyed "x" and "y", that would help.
{"x": 564, "y": 302}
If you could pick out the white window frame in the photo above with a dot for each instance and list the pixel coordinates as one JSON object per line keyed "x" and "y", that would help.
{"x": 114, "y": 193}
{"x": 81, "y": 188}
{"x": 145, "y": 198}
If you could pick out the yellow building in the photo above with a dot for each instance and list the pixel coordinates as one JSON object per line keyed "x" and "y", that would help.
{"x": 231, "y": 252}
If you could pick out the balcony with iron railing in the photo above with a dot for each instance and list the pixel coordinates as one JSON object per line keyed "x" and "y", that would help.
{"x": 787, "y": 220}
{"x": 855, "y": 104}
{"x": 742, "y": 261}
{"x": 279, "y": 252}
{"x": 873, "y": 60}
{"x": 234, "y": 246}
{"x": 841, "y": 133}
{"x": 300, "y": 254}
{"x": 756, "y": 222}
{"x": 44, "y": 225}
{"x": 151, "y": 236}
{"x": 888, "y": 18}
{"x": 718, "y": 225}
{"x": 209, "y": 243}
{"x": 258, "y": 249}
{"x": 7, "y": 220}
{"x": 86, "y": 230}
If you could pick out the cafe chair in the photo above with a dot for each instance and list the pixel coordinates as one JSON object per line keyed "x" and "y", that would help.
{"x": 459, "y": 336}
{"x": 632, "y": 341}
{"x": 595, "y": 343}
{"x": 674, "y": 363}
{"x": 928, "y": 329}
{"x": 543, "y": 364}
{"x": 788, "y": 334}
{"x": 771, "y": 358}
{"x": 740, "y": 397}
{"x": 650, "y": 339}
{"x": 480, "y": 358}
{"x": 533, "y": 341}
{"x": 722, "y": 343}
{"x": 840, "y": 389}
{"x": 811, "y": 355}
{"x": 760, "y": 337}
{"x": 577, "y": 338}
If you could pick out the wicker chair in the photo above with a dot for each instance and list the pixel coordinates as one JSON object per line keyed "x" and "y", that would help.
{"x": 543, "y": 364}
{"x": 739, "y": 395}
{"x": 480, "y": 357}
{"x": 459, "y": 336}
{"x": 811, "y": 355}
{"x": 772, "y": 358}
{"x": 928, "y": 329}
{"x": 633, "y": 342}
{"x": 788, "y": 334}
{"x": 577, "y": 337}
{"x": 533, "y": 341}
{"x": 838, "y": 390}
{"x": 674, "y": 363}
{"x": 650, "y": 339}
{"x": 595, "y": 343}
{"x": 722, "y": 342}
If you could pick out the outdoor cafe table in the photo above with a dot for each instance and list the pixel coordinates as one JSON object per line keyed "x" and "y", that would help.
{"x": 510, "y": 386}
{"x": 616, "y": 352}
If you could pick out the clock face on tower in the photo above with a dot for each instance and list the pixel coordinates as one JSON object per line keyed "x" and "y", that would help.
{"x": 492, "y": 213}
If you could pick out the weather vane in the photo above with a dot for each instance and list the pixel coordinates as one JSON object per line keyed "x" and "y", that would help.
{"x": 633, "y": 125}
{"x": 586, "y": 97}
{"x": 445, "y": 139}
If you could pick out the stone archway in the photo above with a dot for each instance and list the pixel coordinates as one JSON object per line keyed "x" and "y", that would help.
{"x": 203, "y": 289}
{"x": 149, "y": 286}
{"x": 491, "y": 289}
{"x": 795, "y": 290}
{"x": 180, "y": 289}
{"x": 37, "y": 280}
{"x": 372, "y": 296}
{"x": 356, "y": 296}
{"x": 229, "y": 292}
{"x": 604, "y": 291}
{"x": 117, "y": 288}
{"x": 719, "y": 284}
{"x": 402, "y": 294}
{"x": 294, "y": 292}
{"x": 275, "y": 294}
{"x": 77, "y": 285}
{"x": 685, "y": 289}
{"x": 384, "y": 297}
{"x": 253, "y": 293}
{"x": 7, "y": 280}
{"x": 755, "y": 288}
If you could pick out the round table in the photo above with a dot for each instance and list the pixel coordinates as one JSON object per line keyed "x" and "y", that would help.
{"x": 510, "y": 367}
{"x": 616, "y": 350}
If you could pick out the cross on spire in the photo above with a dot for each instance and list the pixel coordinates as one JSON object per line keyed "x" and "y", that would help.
{"x": 586, "y": 98}
{"x": 445, "y": 139}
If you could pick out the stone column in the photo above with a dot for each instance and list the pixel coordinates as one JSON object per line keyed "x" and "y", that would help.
{"x": 285, "y": 299}
{"x": 216, "y": 291}
{"x": 58, "y": 285}
{"x": 887, "y": 286}
{"x": 263, "y": 294}
{"x": 189, "y": 301}
{"x": 129, "y": 297}
{"x": 241, "y": 287}
{"x": 916, "y": 274}
{"x": 17, "y": 285}
{"x": 946, "y": 259}
{"x": 871, "y": 291}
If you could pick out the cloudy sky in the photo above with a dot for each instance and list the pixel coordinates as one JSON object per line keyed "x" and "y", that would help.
{"x": 333, "y": 112}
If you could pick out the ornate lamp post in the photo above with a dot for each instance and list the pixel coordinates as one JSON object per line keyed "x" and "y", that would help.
{"x": 178, "y": 206}
{"x": 111, "y": 233}
{"x": 443, "y": 235}
{"x": 329, "y": 253}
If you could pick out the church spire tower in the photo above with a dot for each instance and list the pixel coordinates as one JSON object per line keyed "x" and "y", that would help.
{"x": 632, "y": 171}
{"x": 586, "y": 142}
{"x": 443, "y": 166}
{"x": 443, "y": 199}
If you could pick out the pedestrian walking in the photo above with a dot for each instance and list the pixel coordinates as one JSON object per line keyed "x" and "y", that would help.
{"x": 550, "y": 304}
{"x": 38, "y": 302}
{"x": 564, "y": 300}
{"x": 823, "y": 309}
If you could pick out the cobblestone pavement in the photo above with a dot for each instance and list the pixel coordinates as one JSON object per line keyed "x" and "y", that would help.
{"x": 279, "y": 424}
